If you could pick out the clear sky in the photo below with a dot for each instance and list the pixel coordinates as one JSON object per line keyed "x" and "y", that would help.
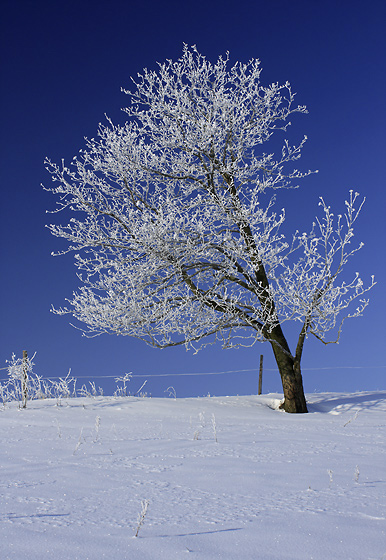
{"x": 62, "y": 67}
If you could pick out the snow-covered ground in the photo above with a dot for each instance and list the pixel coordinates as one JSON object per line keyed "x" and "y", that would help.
{"x": 225, "y": 477}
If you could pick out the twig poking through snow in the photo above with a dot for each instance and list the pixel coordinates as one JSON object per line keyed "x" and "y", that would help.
{"x": 351, "y": 419}
{"x": 58, "y": 428}
{"x": 140, "y": 389}
{"x": 214, "y": 427}
{"x": 79, "y": 441}
{"x": 97, "y": 425}
{"x": 142, "y": 515}
{"x": 171, "y": 392}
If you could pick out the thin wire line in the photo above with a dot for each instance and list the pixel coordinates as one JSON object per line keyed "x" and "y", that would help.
{"x": 151, "y": 375}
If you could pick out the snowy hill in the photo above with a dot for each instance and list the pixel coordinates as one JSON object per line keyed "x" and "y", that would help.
{"x": 224, "y": 477}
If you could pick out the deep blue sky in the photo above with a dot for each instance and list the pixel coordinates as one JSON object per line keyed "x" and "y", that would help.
{"x": 62, "y": 67}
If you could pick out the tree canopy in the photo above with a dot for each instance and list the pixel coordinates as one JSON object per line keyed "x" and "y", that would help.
{"x": 174, "y": 226}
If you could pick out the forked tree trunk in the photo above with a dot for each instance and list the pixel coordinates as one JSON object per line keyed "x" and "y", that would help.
{"x": 290, "y": 373}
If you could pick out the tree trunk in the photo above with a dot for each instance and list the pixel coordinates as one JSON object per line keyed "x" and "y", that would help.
{"x": 291, "y": 377}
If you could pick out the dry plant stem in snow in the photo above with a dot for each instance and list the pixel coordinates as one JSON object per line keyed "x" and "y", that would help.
{"x": 80, "y": 441}
{"x": 141, "y": 516}
{"x": 97, "y": 426}
{"x": 351, "y": 419}
{"x": 58, "y": 428}
{"x": 14, "y": 389}
{"x": 214, "y": 428}
{"x": 139, "y": 392}
{"x": 171, "y": 392}
{"x": 121, "y": 390}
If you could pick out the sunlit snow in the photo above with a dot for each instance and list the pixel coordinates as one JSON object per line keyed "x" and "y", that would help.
{"x": 224, "y": 477}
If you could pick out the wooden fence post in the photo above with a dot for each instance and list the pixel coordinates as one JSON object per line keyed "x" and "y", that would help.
{"x": 260, "y": 375}
{"x": 24, "y": 381}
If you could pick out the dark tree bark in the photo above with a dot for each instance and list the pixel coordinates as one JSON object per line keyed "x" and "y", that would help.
{"x": 290, "y": 373}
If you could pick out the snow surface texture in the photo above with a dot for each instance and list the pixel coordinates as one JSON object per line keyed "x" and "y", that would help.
{"x": 220, "y": 477}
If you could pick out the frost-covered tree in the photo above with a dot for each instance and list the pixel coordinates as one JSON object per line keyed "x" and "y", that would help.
{"x": 174, "y": 230}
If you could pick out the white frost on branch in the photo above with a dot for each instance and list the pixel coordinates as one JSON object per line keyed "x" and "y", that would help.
{"x": 310, "y": 288}
{"x": 173, "y": 236}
